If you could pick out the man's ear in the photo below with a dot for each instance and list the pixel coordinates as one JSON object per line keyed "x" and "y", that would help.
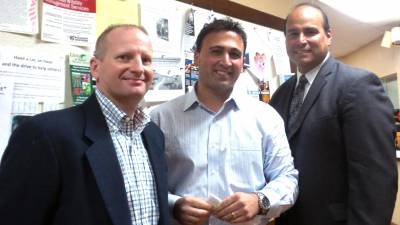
{"x": 329, "y": 36}
{"x": 94, "y": 67}
{"x": 243, "y": 66}
{"x": 196, "y": 58}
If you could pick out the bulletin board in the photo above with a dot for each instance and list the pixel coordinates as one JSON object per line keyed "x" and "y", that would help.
{"x": 41, "y": 62}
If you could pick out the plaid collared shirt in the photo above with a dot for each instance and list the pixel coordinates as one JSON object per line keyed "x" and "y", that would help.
{"x": 133, "y": 159}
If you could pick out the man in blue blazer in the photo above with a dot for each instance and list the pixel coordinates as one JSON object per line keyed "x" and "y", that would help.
{"x": 341, "y": 133}
{"x": 101, "y": 162}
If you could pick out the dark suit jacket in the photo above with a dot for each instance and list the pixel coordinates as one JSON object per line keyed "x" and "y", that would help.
{"x": 343, "y": 147}
{"x": 61, "y": 168}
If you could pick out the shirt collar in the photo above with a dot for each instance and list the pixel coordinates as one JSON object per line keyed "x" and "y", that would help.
{"x": 192, "y": 100}
{"x": 119, "y": 120}
{"x": 310, "y": 75}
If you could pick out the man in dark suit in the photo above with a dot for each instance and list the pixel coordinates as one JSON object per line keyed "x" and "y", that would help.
{"x": 340, "y": 127}
{"x": 101, "y": 162}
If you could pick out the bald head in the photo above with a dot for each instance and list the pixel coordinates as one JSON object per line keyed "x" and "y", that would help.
{"x": 312, "y": 8}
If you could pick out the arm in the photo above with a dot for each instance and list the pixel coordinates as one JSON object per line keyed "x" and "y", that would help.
{"x": 28, "y": 178}
{"x": 282, "y": 178}
{"x": 279, "y": 172}
{"x": 368, "y": 132}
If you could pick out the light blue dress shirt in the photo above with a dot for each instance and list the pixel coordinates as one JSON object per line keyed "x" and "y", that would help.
{"x": 241, "y": 148}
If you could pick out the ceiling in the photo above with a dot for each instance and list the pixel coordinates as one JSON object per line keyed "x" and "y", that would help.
{"x": 350, "y": 34}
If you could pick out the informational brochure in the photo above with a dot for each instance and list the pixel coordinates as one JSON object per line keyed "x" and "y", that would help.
{"x": 6, "y": 94}
{"x": 19, "y": 16}
{"x": 71, "y": 22}
{"x": 168, "y": 80}
{"x": 163, "y": 23}
{"x": 39, "y": 80}
{"x": 81, "y": 78}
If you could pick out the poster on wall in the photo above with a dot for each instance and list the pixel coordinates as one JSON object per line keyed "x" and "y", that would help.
{"x": 82, "y": 83}
{"x": 39, "y": 80}
{"x": 168, "y": 80}
{"x": 278, "y": 47}
{"x": 164, "y": 25}
{"x": 19, "y": 16}
{"x": 6, "y": 91}
{"x": 30, "y": 83}
{"x": 70, "y": 22}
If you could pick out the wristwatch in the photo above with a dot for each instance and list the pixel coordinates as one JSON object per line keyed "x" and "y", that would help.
{"x": 263, "y": 203}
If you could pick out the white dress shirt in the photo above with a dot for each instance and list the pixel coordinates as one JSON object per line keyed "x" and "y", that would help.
{"x": 241, "y": 148}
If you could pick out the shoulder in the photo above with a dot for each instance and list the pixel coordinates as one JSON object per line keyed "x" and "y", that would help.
{"x": 55, "y": 121}
{"x": 349, "y": 72}
{"x": 258, "y": 109}
{"x": 168, "y": 108}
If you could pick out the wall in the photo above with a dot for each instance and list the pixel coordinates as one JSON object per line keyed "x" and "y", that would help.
{"x": 382, "y": 61}
{"x": 273, "y": 7}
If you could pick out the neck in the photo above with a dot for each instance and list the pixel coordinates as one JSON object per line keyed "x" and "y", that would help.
{"x": 128, "y": 105}
{"x": 212, "y": 99}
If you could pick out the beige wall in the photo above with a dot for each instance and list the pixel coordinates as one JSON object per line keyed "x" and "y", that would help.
{"x": 274, "y": 7}
{"x": 382, "y": 61}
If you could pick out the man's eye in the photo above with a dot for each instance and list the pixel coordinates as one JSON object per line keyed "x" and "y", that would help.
{"x": 124, "y": 57}
{"x": 235, "y": 55}
{"x": 146, "y": 61}
{"x": 216, "y": 52}
{"x": 311, "y": 32}
{"x": 292, "y": 34}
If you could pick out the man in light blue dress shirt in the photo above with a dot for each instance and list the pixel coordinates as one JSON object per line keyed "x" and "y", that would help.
{"x": 228, "y": 156}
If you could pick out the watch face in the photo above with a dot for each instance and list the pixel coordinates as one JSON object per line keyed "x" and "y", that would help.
{"x": 265, "y": 202}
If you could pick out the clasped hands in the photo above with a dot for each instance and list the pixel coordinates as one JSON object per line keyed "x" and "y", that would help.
{"x": 237, "y": 208}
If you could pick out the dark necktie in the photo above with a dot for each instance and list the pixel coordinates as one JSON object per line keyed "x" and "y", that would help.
{"x": 297, "y": 101}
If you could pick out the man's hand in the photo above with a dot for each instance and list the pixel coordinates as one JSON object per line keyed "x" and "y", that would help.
{"x": 192, "y": 210}
{"x": 237, "y": 208}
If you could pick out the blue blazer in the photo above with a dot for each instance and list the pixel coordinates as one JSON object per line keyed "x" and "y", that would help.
{"x": 343, "y": 147}
{"x": 61, "y": 168}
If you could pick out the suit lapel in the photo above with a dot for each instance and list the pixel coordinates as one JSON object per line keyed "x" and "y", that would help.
{"x": 288, "y": 98}
{"x": 104, "y": 163}
{"x": 312, "y": 95}
{"x": 151, "y": 149}
{"x": 154, "y": 147}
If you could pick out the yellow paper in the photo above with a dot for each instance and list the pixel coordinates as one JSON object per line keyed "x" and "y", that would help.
{"x": 115, "y": 11}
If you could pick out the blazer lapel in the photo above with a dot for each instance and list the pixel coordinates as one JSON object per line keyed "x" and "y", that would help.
{"x": 287, "y": 99}
{"x": 312, "y": 95}
{"x": 104, "y": 164}
{"x": 154, "y": 147}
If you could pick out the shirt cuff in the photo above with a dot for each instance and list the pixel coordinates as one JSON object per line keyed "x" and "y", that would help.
{"x": 171, "y": 202}
{"x": 274, "y": 199}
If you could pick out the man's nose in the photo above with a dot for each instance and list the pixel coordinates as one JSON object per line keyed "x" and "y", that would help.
{"x": 226, "y": 59}
{"x": 136, "y": 65}
{"x": 302, "y": 37}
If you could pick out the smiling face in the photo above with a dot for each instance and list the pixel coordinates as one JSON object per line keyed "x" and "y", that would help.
{"x": 220, "y": 61}
{"x": 306, "y": 40}
{"x": 124, "y": 70}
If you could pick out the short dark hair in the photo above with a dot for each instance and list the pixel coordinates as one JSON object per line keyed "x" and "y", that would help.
{"x": 218, "y": 25}
{"x": 325, "y": 21}
{"x": 100, "y": 43}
